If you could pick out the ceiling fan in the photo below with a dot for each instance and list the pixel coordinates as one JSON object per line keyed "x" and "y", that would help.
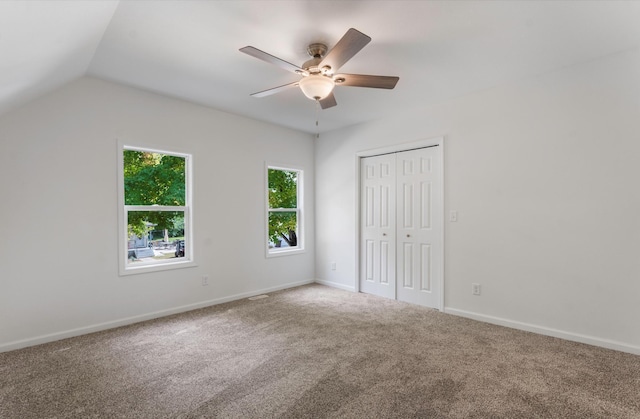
{"x": 319, "y": 75}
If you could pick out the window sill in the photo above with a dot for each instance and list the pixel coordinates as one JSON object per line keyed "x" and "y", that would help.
{"x": 143, "y": 269}
{"x": 271, "y": 253}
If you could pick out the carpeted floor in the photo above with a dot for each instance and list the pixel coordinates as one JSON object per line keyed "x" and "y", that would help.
{"x": 316, "y": 352}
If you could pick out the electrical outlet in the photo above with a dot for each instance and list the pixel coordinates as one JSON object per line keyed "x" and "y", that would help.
{"x": 475, "y": 289}
{"x": 333, "y": 266}
{"x": 205, "y": 280}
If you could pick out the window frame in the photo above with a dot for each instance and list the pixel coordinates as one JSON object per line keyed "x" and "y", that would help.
{"x": 123, "y": 210}
{"x": 299, "y": 210}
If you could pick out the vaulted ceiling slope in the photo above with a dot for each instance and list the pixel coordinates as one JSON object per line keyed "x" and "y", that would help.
{"x": 189, "y": 49}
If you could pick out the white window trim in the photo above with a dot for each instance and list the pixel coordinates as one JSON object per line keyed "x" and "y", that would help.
{"x": 300, "y": 248}
{"x": 188, "y": 260}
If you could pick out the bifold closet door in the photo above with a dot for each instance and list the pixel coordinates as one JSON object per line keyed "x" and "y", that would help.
{"x": 401, "y": 226}
{"x": 418, "y": 227}
{"x": 378, "y": 225}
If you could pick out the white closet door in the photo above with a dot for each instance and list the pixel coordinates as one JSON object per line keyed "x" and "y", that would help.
{"x": 419, "y": 227}
{"x": 378, "y": 228}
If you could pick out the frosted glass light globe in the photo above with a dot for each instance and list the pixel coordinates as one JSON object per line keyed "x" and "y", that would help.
{"x": 316, "y": 86}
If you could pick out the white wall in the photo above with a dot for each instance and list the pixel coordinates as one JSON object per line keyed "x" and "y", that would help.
{"x": 58, "y": 184}
{"x": 544, "y": 174}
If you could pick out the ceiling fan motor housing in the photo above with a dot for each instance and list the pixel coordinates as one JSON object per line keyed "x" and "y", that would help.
{"x": 317, "y": 52}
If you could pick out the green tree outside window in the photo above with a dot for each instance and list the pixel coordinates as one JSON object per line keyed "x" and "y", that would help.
{"x": 283, "y": 206}
{"x": 154, "y": 179}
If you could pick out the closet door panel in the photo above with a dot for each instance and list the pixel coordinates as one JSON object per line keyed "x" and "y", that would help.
{"x": 418, "y": 235}
{"x": 378, "y": 226}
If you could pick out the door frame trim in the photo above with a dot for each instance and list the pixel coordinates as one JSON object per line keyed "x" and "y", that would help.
{"x": 396, "y": 148}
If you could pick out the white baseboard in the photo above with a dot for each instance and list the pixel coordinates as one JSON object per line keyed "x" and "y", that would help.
{"x": 575, "y": 337}
{"x": 335, "y": 285}
{"x": 38, "y": 340}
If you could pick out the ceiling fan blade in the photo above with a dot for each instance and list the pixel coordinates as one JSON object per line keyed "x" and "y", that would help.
{"x": 328, "y": 102}
{"x": 261, "y": 55}
{"x": 274, "y": 90}
{"x": 348, "y": 46}
{"x": 363, "y": 80}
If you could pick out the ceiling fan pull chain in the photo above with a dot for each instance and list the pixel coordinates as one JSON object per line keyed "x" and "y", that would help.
{"x": 317, "y": 118}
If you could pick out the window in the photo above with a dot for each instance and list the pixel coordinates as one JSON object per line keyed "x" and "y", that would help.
{"x": 155, "y": 210}
{"x": 284, "y": 211}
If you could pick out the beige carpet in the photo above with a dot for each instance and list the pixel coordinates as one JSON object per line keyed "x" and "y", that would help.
{"x": 316, "y": 352}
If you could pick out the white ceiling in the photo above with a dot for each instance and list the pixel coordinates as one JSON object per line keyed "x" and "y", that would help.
{"x": 189, "y": 49}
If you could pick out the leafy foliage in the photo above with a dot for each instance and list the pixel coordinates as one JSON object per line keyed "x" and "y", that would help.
{"x": 283, "y": 193}
{"x": 282, "y": 226}
{"x": 153, "y": 179}
{"x": 152, "y": 224}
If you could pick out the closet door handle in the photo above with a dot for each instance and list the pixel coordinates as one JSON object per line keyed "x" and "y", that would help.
{"x": 384, "y": 234}
{"x": 408, "y": 235}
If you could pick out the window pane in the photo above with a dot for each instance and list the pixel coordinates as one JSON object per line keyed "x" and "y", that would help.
{"x": 283, "y": 188}
{"x": 283, "y": 229}
{"x": 155, "y": 236}
{"x": 153, "y": 178}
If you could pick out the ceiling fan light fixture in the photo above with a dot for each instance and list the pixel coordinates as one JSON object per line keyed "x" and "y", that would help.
{"x": 319, "y": 75}
{"x": 316, "y": 86}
